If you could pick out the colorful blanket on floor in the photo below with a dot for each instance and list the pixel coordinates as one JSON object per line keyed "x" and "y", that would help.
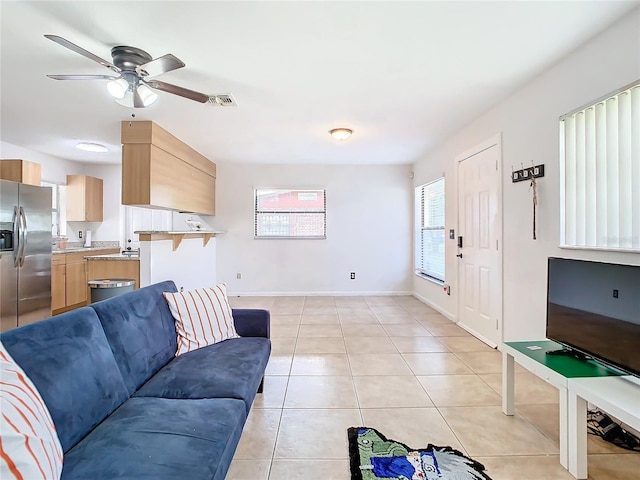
{"x": 373, "y": 456}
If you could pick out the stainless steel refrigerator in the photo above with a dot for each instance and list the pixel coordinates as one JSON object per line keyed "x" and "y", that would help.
{"x": 25, "y": 254}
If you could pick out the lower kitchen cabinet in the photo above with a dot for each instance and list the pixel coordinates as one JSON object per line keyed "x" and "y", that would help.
{"x": 76, "y": 282}
{"x": 69, "y": 280}
{"x": 58, "y": 287}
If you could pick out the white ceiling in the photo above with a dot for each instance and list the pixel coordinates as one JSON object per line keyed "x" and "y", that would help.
{"x": 402, "y": 75}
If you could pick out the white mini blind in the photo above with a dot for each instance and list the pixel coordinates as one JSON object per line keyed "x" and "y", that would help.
{"x": 290, "y": 213}
{"x": 429, "y": 241}
{"x": 600, "y": 173}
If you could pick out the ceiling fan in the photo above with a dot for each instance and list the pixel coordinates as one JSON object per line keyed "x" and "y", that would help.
{"x": 132, "y": 86}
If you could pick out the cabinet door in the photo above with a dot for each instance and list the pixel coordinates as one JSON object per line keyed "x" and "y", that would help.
{"x": 76, "y": 283}
{"x": 84, "y": 199}
{"x": 93, "y": 199}
{"x": 58, "y": 288}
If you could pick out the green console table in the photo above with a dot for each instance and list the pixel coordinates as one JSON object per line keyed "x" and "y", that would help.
{"x": 556, "y": 370}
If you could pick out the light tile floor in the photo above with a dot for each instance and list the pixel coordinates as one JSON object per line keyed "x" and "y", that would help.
{"x": 394, "y": 364}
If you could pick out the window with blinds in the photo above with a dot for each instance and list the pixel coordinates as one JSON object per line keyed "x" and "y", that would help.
{"x": 430, "y": 236}
{"x": 290, "y": 213}
{"x": 600, "y": 173}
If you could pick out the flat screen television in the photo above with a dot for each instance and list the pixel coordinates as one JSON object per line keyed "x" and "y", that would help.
{"x": 594, "y": 308}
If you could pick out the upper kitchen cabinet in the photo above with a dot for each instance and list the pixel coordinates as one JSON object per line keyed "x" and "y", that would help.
{"x": 160, "y": 171}
{"x": 21, "y": 171}
{"x": 84, "y": 198}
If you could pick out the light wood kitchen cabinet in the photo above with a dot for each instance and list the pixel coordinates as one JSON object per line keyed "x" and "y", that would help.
{"x": 160, "y": 171}
{"x": 21, "y": 171}
{"x": 76, "y": 282}
{"x": 69, "y": 288}
{"x": 100, "y": 269}
{"x": 58, "y": 287}
{"x": 84, "y": 198}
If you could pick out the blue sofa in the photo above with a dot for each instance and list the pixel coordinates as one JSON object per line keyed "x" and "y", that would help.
{"x": 124, "y": 406}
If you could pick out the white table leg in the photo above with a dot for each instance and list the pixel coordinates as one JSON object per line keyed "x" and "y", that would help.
{"x": 564, "y": 427}
{"x": 508, "y": 384}
{"x": 577, "y": 435}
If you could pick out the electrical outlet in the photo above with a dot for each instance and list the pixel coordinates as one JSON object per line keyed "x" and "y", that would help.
{"x": 615, "y": 293}
{"x": 238, "y": 276}
{"x": 79, "y": 233}
{"x": 353, "y": 275}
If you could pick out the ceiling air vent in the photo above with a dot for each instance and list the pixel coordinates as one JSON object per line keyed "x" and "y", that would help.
{"x": 223, "y": 100}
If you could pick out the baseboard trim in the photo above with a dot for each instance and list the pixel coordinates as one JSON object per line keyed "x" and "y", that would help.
{"x": 439, "y": 309}
{"x": 320, "y": 294}
{"x": 477, "y": 335}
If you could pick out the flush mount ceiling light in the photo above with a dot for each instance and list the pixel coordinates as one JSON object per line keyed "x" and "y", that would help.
{"x": 92, "y": 147}
{"x": 341, "y": 133}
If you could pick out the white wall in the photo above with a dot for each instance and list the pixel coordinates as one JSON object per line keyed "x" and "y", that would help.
{"x": 369, "y": 229}
{"x": 528, "y": 121}
{"x": 54, "y": 169}
{"x": 191, "y": 265}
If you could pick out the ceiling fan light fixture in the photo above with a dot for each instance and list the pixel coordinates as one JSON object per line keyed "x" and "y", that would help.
{"x": 148, "y": 96}
{"x": 127, "y": 100}
{"x": 118, "y": 88}
{"x": 341, "y": 134}
{"x": 92, "y": 147}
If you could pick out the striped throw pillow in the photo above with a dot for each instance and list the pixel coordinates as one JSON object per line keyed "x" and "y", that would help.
{"x": 29, "y": 445}
{"x": 203, "y": 317}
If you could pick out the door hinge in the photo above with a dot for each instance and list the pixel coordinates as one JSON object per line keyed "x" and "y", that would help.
{"x": 496, "y": 244}
{"x": 496, "y": 165}
{"x": 496, "y": 324}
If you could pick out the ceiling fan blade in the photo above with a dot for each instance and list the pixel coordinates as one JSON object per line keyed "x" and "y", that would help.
{"x": 159, "y": 65}
{"x": 85, "y": 53}
{"x": 82, "y": 77}
{"x": 181, "y": 91}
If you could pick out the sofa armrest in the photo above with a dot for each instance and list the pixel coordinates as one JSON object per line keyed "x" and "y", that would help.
{"x": 250, "y": 322}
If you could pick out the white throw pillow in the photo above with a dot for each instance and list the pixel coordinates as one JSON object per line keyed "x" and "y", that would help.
{"x": 203, "y": 317}
{"x": 30, "y": 445}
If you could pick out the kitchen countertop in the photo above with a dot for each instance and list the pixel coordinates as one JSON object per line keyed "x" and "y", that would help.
{"x": 78, "y": 247}
{"x": 171, "y": 232}
{"x": 81, "y": 249}
{"x": 113, "y": 256}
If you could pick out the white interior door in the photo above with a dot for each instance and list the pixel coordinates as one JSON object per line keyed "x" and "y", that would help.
{"x": 480, "y": 256}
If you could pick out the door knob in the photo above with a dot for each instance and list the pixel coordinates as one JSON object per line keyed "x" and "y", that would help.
{"x": 459, "y": 255}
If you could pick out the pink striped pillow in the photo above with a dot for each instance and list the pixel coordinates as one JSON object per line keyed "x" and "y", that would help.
{"x": 203, "y": 317}
{"x": 29, "y": 445}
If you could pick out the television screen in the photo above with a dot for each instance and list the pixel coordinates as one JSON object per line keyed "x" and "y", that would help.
{"x": 594, "y": 308}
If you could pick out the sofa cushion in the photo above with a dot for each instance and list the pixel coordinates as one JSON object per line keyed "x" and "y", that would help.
{"x": 141, "y": 332}
{"x": 229, "y": 369}
{"x": 202, "y": 316}
{"x": 30, "y": 445}
{"x": 70, "y": 362}
{"x": 159, "y": 438}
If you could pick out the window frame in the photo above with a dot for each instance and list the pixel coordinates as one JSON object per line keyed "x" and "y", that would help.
{"x": 257, "y": 212}
{"x": 57, "y": 229}
{"x": 422, "y": 202}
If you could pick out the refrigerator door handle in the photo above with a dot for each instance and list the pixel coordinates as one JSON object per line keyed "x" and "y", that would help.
{"x": 23, "y": 240}
{"x": 16, "y": 236}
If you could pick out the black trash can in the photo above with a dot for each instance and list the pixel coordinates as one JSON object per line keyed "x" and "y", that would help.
{"x": 111, "y": 287}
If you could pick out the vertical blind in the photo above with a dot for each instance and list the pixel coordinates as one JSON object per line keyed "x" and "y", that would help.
{"x": 600, "y": 173}
{"x": 429, "y": 242}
